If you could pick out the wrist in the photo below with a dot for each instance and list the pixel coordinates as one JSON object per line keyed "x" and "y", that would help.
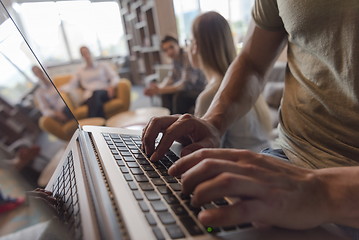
{"x": 342, "y": 195}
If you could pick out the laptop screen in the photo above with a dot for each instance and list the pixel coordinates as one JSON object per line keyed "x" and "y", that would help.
{"x": 25, "y": 76}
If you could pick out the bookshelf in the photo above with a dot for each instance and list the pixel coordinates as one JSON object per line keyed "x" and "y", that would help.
{"x": 146, "y": 22}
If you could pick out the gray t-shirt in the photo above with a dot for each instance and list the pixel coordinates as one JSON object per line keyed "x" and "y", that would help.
{"x": 319, "y": 121}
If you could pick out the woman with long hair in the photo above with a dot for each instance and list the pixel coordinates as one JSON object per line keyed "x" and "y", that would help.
{"x": 212, "y": 50}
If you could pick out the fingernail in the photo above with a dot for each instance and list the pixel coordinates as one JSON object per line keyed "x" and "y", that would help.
{"x": 153, "y": 157}
{"x": 172, "y": 170}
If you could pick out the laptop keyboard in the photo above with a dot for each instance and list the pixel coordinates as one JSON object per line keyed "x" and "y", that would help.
{"x": 157, "y": 193}
{"x": 65, "y": 191}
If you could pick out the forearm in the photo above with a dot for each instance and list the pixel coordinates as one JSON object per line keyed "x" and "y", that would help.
{"x": 343, "y": 196}
{"x": 170, "y": 89}
{"x": 236, "y": 95}
{"x": 244, "y": 79}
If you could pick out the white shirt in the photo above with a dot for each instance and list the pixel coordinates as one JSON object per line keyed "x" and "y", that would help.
{"x": 245, "y": 133}
{"x": 99, "y": 77}
{"x": 49, "y": 100}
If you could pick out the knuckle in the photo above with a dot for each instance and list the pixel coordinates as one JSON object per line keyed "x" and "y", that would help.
{"x": 227, "y": 179}
{"x": 186, "y": 116}
{"x": 208, "y": 164}
{"x": 203, "y": 153}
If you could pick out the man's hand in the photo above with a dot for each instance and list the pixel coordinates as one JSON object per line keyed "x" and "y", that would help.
{"x": 269, "y": 192}
{"x": 194, "y": 133}
{"x": 60, "y": 116}
{"x": 111, "y": 92}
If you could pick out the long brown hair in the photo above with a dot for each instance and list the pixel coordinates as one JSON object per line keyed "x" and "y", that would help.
{"x": 214, "y": 40}
{"x": 215, "y": 45}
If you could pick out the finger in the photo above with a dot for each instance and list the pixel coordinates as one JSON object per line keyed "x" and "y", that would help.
{"x": 228, "y": 185}
{"x": 177, "y": 130}
{"x": 193, "y": 147}
{"x": 211, "y": 168}
{"x": 193, "y": 159}
{"x": 153, "y": 128}
{"x": 240, "y": 212}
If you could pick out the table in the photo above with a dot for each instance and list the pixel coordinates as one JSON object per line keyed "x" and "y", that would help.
{"x": 95, "y": 121}
{"x": 136, "y": 119}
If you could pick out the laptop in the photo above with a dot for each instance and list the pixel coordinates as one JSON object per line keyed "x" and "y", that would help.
{"x": 107, "y": 188}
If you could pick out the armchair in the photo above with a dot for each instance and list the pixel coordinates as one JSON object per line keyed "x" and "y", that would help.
{"x": 64, "y": 131}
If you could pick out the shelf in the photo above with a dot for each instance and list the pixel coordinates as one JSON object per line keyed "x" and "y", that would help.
{"x": 150, "y": 49}
{"x": 140, "y": 25}
{"x": 146, "y": 23}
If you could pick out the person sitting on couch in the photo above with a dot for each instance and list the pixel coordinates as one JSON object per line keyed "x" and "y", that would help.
{"x": 98, "y": 82}
{"x": 49, "y": 102}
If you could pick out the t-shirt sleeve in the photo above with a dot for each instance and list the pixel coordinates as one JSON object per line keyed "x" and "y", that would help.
{"x": 265, "y": 14}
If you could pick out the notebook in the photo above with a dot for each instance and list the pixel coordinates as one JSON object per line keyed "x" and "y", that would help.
{"x": 107, "y": 188}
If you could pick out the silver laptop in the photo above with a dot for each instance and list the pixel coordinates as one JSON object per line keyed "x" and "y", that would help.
{"x": 108, "y": 189}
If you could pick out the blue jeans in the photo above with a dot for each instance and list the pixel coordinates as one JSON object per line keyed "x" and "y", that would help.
{"x": 353, "y": 233}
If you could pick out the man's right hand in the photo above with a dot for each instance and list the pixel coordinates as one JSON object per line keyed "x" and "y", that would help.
{"x": 193, "y": 133}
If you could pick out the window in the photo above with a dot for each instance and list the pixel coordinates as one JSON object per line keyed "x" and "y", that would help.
{"x": 57, "y": 29}
{"x": 15, "y": 61}
{"x": 237, "y": 13}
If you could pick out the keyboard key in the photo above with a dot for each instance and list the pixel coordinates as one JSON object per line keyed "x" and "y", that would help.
{"x": 152, "y": 174}
{"x": 120, "y": 144}
{"x": 120, "y": 163}
{"x": 143, "y": 206}
{"x": 141, "y": 178}
{"x": 163, "y": 172}
{"x": 150, "y": 219}
{"x": 158, "y": 165}
{"x": 174, "y": 186}
{"x": 158, "y": 233}
{"x": 152, "y": 195}
{"x": 129, "y": 159}
{"x": 164, "y": 190}
{"x": 144, "y": 162}
{"x": 179, "y": 210}
{"x": 124, "y": 149}
{"x": 173, "y": 157}
{"x": 136, "y": 171}
{"x": 146, "y": 186}
{"x": 167, "y": 163}
{"x": 128, "y": 177}
{"x": 158, "y": 206}
{"x": 132, "y": 185}
{"x": 171, "y": 199}
{"x": 193, "y": 209}
{"x": 174, "y": 231}
{"x": 182, "y": 196}
{"x": 118, "y": 157}
{"x": 138, "y": 195}
{"x": 191, "y": 226}
{"x": 221, "y": 202}
{"x": 114, "y": 135}
{"x": 114, "y": 152}
{"x": 158, "y": 182}
{"x": 125, "y": 153}
{"x": 170, "y": 179}
{"x": 148, "y": 168}
{"x": 132, "y": 165}
{"x": 135, "y": 151}
{"x": 166, "y": 218}
{"x": 124, "y": 170}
